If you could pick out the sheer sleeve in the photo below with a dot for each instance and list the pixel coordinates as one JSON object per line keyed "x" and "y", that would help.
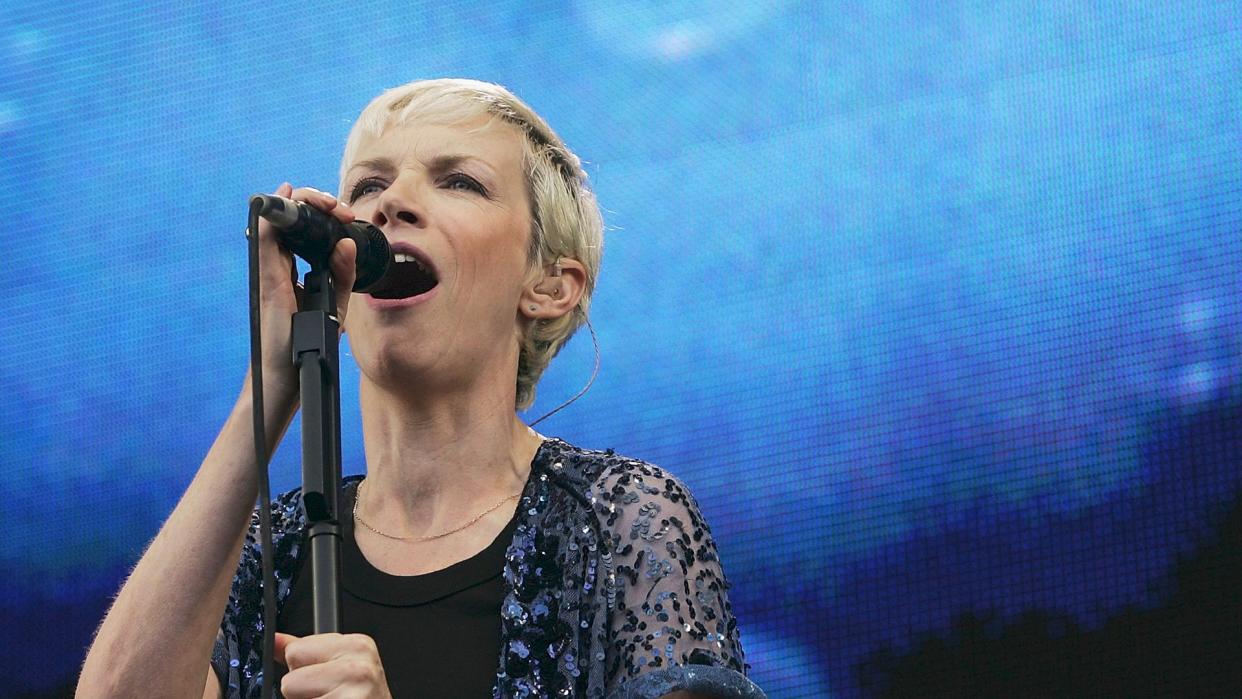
{"x": 235, "y": 640}
{"x": 671, "y": 626}
{"x": 236, "y": 657}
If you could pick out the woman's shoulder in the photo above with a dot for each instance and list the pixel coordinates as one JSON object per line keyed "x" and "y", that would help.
{"x": 602, "y": 468}
{"x": 620, "y": 485}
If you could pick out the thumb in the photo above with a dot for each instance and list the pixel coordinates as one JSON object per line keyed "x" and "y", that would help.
{"x": 282, "y": 642}
{"x": 344, "y": 272}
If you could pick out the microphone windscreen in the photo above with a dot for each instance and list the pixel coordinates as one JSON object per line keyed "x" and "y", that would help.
{"x": 374, "y": 256}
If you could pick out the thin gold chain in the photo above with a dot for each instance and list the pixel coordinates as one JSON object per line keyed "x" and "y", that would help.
{"x": 484, "y": 513}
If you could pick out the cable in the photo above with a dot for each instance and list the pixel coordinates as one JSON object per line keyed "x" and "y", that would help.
{"x": 595, "y": 371}
{"x": 261, "y": 456}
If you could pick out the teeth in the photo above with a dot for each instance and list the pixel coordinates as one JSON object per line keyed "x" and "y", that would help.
{"x": 402, "y": 257}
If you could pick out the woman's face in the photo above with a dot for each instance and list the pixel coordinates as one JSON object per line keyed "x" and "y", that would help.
{"x": 453, "y": 203}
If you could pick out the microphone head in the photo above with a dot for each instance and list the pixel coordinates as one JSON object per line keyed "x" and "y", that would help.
{"x": 374, "y": 255}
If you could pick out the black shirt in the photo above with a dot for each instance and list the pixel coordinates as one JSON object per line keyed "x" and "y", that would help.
{"x": 438, "y": 634}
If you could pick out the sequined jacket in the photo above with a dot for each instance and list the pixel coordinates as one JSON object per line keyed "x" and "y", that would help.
{"x": 612, "y": 588}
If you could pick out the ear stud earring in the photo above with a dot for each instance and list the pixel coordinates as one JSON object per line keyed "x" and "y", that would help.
{"x": 534, "y": 308}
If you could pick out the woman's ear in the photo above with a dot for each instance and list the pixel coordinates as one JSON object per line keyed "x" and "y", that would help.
{"x": 554, "y": 291}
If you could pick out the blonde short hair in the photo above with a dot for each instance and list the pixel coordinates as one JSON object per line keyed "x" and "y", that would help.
{"x": 565, "y": 218}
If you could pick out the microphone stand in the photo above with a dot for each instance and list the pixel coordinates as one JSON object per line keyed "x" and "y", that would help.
{"x": 316, "y": 354}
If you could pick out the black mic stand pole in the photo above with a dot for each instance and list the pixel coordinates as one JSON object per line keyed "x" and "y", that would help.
{"x": 316, "y": 354}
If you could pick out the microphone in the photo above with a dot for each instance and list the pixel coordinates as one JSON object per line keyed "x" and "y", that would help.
{"x": 311, "y": 234}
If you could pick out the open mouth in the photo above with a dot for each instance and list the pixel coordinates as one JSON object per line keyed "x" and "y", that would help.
{"x": 409, "y": 276}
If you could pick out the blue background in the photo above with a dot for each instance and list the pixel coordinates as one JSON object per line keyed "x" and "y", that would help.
{"x": 911, "y": 294}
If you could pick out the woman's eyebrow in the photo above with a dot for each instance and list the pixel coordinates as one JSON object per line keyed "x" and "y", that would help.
{"x": 439, "y": 163}
{"x": 449, "y": 161}
{"x": 381, "y": 164}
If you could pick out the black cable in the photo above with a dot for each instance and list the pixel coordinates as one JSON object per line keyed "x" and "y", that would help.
{"x": 590, "y": 381}
{"x": 268, "y": 582}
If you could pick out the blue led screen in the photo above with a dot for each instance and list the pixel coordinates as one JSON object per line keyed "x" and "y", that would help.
{"x": 935, "y": 306}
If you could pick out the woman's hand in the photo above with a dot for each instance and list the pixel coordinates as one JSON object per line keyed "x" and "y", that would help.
{"x": 344, "y": 665}
{"x": 280, "y": 292}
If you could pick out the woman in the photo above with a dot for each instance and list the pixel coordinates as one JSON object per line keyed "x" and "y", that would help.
{"x": 480, "y": 558}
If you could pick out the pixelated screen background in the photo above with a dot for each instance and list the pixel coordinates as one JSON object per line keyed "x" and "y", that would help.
{"x": 934, "y": 306}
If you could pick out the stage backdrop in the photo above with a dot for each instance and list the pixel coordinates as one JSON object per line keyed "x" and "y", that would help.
{"x": 935, "y": 306}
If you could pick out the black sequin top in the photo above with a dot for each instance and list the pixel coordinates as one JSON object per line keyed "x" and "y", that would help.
{"x": 612, "y": 588}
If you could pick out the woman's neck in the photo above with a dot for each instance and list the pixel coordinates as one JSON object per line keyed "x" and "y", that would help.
{"x": 433, "y": 463}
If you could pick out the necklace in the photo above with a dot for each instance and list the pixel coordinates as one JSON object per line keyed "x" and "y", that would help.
{"x": 481, "y": 515}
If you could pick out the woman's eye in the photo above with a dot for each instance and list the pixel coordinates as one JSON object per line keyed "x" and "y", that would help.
{"x": 363, "y": 187}
{"x": 464, "y": 183}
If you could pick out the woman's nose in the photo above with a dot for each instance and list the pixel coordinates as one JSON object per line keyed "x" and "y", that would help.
{"x": 399, "y": 202}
